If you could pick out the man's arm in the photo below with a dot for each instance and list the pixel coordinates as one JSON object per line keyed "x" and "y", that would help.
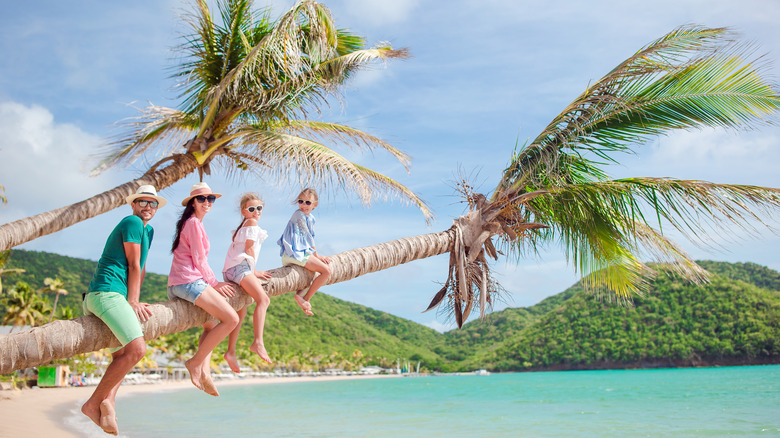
{"x": 135, "y": 276}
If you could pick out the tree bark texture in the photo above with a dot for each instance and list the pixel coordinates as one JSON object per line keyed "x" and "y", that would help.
{"x": 62, "y": 339}
{"x": 24, "y": 230}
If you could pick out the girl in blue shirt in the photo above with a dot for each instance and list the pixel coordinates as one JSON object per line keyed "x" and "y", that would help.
{"x": 297, "y": 247}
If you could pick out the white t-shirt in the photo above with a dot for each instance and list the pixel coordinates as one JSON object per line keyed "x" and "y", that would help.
{"x": 237, "y": 251}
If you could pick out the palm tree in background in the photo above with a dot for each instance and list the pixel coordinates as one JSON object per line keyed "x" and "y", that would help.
{"x": 247, "y": 86}
{"x": 24, "y": 306}
{"x": 555, "y": 191}
{"x": 56, "y": 286}
{"x": 66, "y": 312}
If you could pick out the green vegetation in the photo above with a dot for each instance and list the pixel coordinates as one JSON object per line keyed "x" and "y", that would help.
{"x": 734, "y": 319}
{"x": 675, "y": 324}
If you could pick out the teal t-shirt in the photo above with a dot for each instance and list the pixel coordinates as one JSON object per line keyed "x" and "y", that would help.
{"x": 111, "y": 272}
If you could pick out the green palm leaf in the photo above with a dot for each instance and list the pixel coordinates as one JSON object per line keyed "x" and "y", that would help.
{"x": 247, "y": 85}
{"x": 693, "y": 77}
{"x": 603, "y": 224}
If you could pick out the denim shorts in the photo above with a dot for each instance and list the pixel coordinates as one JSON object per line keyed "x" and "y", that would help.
{"x": 188, "y": 292}
{"x": 238, "y": 272}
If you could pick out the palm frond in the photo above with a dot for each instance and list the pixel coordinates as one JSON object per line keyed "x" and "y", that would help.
{"x": 604, "y": 229}
{"x": 341, "y": 67}
{"x": 389, "y": 188}
{"x": 162, "y": 128}
{"x": 691, "y": 78}
{"x": 346, "y": 135}
{"x": 290, "y": 157}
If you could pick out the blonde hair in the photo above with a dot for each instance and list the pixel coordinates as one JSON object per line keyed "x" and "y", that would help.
{"x": 245, "y": 198}
{"x": 307, "y": 192}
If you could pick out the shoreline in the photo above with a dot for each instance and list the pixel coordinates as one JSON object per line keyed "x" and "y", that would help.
{"x": 45, "y": 412}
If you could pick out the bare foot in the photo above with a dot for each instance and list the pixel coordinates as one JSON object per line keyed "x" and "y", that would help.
{"x": 108, "y": 418}
{"x": 259, "y": 349}
{"x": 196, "y": 374}
{"x": 230, "y": 358}
{"x": 208, "y": 385}
{"x": 305, "y": 305}
{"x": 92, "y": 411}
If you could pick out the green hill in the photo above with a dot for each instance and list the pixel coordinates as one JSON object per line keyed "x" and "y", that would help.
{"x": 726, "y": 321}
{"x": 734, "y": 319}
{"x": 74, "y": 273}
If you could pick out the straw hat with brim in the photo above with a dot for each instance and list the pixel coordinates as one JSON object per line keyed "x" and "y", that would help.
{"x": 199, "y": 189}
{"x": 146, "y": 191}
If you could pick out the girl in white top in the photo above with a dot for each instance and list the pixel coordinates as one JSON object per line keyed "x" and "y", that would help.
{"x": 240, "y": 268}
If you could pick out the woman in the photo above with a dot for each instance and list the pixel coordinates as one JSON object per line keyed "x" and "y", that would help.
{"x": 192, "y": 279}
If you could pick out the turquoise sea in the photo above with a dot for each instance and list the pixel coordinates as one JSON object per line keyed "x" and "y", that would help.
{"x": 690, "y": 402}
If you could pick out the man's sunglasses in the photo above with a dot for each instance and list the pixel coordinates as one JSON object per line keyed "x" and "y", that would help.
{"x": 301, "y": 201}
{"x": 252, "y": 209}
{"x": 142, "y": 203}
{"x": 202, "y": 199}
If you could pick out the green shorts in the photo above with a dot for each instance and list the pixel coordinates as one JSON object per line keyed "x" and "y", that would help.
{"x": 114, "y": 310}
{"x": 287, "y": 260}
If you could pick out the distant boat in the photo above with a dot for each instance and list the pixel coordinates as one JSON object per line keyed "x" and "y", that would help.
{"x": 482, "y": 372}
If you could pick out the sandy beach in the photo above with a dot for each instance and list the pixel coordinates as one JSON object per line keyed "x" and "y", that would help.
{"x": 42, "y": 412}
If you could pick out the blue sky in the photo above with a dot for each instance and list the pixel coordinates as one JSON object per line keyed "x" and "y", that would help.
{"x": 484, "y": 76}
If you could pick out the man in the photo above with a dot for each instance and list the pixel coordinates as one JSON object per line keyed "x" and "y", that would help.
{"x": 113, "y": 296}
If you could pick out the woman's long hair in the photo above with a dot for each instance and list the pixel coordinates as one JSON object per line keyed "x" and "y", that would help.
{"x": 245, "y": 198}
{"x": 186, "y": 214}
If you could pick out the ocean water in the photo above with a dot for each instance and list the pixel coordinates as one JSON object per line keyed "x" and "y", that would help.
{"x": 693, "y": 402}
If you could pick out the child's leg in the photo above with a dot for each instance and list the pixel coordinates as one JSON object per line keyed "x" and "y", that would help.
{"x": 254, "y": 288}
{"x": 316, "y": 265}
{"x": 230, "y": 354}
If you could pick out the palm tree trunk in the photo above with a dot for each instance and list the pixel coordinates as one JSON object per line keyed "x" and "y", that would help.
{"x": 63, "y": 339}
{"x": 24, "y": 230}
{"x": 54, "y": 308}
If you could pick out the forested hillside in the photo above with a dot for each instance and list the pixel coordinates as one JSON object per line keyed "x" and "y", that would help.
{"x": 734, "y": 319}
{"x": 675, "y": 324}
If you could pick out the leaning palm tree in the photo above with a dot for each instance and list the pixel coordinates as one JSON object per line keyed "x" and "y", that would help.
{"x": 554, "y": 190}
{"x": 247, "y": 86}
{"x": 56, "y": 286}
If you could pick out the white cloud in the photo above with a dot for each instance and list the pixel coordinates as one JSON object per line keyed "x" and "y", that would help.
{"x": 42, "y": 162}
{"x": 718, "y": 156}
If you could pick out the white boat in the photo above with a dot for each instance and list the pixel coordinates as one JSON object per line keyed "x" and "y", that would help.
{"x": 482, "y": 372}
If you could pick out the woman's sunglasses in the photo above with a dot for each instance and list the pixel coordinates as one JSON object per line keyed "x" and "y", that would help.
{"x": 301, "y": 201}
{"x": 142, "y": 203}
{"x": 259, "y": 208}
{"x": 202, "y": 199}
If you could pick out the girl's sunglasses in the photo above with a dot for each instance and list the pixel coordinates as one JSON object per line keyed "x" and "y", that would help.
{"x": 259, "y": 208}
{"x": 142, "y": 203}
{"x": 202, "y": 199}
{"x": 301, "y": 201}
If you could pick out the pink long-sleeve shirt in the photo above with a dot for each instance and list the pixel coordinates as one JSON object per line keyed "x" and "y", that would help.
{"x": 190, "y": 257}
